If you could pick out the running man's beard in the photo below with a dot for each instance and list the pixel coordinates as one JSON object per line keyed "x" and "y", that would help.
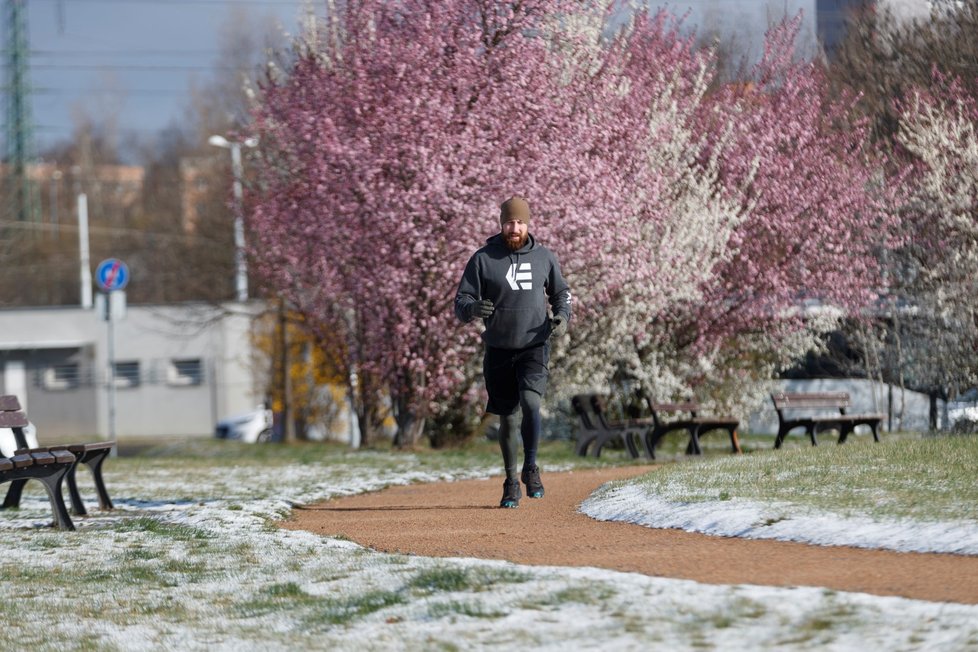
{"x": 516, "y": 246}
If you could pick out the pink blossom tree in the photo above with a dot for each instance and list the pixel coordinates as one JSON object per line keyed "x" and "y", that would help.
{"x": 685, "y": 223}
{"x": 388, "y": 147}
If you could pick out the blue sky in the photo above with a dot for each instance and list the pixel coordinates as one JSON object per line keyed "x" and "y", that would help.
{"x": 133, "y": 61}
{"x": 131, "y": 58}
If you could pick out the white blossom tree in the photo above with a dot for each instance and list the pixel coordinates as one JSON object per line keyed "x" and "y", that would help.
{"x": 940, "y": 268}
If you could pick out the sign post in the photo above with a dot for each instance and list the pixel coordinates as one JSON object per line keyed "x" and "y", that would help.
{"x": 112, "y": 276}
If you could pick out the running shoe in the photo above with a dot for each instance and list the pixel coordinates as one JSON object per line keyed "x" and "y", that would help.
{"x": 511, "y": 494}
{"x": 531, "y": 478}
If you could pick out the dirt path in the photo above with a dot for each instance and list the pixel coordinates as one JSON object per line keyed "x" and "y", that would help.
{"x": 460, "y": 519}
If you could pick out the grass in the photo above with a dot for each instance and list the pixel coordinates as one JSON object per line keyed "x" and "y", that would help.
{"x": 595, "y": 594}
{"x": 470, "y": 609}
{"x": 920, "y": 478}
{"x": 193, "y": 558}
{"x": 449, "y": 578}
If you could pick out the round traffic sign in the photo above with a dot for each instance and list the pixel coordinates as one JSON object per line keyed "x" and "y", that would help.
{"x": 112, "y": 274}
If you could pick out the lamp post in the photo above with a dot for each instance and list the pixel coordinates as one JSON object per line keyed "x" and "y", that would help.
{"x": 240, "y": 268}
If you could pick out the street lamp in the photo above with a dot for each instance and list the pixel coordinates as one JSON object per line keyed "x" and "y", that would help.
{"x": 241, "y": 271}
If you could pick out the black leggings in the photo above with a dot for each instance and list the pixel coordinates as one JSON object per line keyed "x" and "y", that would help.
{"x": 529, "y": 432}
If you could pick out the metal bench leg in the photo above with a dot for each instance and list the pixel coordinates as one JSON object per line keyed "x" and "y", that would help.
{"x": 643, "y": 442}
{"x": 13, "y": 493}
{"x": 77, "y": 506}
{"x": 652, "y": 438}
{"x": 844, "y": 431}
{"x": 782, "y": 431}
{"x": 583, "y": 441}
{"x": 812, "y": 434}
{"x": 693, "y": 447}
{"x": 95, "y": 465}
{"x": 630, "y": 446}
{"x": 581, "y": 447}
{"x": 599, "y": 443}
{"x": 735, "y": 441}
{"x": 52, "y": 484}
{"x": 876, "y": 435}
{"x": 626, "y": 437}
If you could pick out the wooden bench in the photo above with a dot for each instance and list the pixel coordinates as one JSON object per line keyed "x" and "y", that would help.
{"x": 92, "y": 455}
{"x": 795, "y": 411}
{"x": 690, "y": 421}
{"x": 595, "y": 431}
{"x": 48, "y": 467}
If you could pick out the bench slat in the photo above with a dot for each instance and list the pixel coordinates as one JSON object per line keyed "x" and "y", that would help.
{"x": 20, "y": 461}
{"x": 675, "y": 407}
{"x": 799, "y": 400}
{"x": 9, "y": 402}
{"x": 15, "y": 419}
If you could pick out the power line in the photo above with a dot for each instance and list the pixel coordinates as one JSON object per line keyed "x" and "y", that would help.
{"x": 163, "y": 3}
{"x": 118, "y": 53}
{"x": 110, "y": 230}
{"x": 128, "y": 91}
{"x": 133, "y": 67}
{"x": 122, "y": 53}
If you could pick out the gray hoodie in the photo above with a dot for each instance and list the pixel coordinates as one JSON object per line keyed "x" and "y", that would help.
{"x": 519, "y": 284}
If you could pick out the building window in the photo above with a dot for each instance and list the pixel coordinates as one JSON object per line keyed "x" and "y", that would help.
{"x": 61, "y": 376}
{"x": 188, "y": 371}
{"x": 126, "y": 374}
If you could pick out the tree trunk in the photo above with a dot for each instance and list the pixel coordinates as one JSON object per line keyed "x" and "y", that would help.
{"x": 410, "y": 426}
{"x": 366, "y": 408}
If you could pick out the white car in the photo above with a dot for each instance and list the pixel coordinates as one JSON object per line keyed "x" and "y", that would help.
{"x": 252, "y": 427}
{"x": 964, "y": 409}
{"x": 962, "y": 412}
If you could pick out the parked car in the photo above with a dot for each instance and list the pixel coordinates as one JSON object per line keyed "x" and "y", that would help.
{"x": 962, "y": 414}
{"x": 253, "y": 427}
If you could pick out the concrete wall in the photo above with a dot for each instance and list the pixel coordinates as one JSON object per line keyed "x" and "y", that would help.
{"x": 160, "y": 401}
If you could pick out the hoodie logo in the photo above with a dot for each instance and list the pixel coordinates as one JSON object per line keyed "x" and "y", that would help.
{"x": 521, "y": 278}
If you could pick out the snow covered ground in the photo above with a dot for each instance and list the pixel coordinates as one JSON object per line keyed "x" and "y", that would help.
{"x": 634, "y": 503}
{"x": 190, "y": 560}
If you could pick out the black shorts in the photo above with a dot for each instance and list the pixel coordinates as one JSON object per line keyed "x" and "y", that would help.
{"x": 509, "y": 371}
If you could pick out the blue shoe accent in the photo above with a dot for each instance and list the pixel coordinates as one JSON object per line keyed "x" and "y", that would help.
{"x": 511, "y": 494}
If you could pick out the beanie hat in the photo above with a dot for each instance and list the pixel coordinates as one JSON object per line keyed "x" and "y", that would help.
{"x": 514, "y": 208}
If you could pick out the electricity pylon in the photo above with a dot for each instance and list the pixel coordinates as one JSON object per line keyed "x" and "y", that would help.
{"x": 18, "y": 127}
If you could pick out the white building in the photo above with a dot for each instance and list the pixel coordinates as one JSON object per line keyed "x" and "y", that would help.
{"x": 177, "y": 368}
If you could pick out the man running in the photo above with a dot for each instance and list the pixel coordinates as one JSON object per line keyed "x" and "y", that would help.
{"x": 508, "y": 284}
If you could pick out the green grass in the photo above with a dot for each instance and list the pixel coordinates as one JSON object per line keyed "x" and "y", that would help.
{"x": 453, "y": 578}
{"x": 160, "y": 528}
{"x": 472, "y": 609}
{"x": 592, "y": 594}
{"x": 923, "y": 478}
{"x": 337, "y": 611}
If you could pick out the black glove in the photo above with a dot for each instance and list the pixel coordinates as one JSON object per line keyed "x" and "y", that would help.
{"x": 558, "y": 326}
{"x": 481, "y": 309}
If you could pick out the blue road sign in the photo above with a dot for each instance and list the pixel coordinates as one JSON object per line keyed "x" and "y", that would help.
{"x": 112, "y": 274}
